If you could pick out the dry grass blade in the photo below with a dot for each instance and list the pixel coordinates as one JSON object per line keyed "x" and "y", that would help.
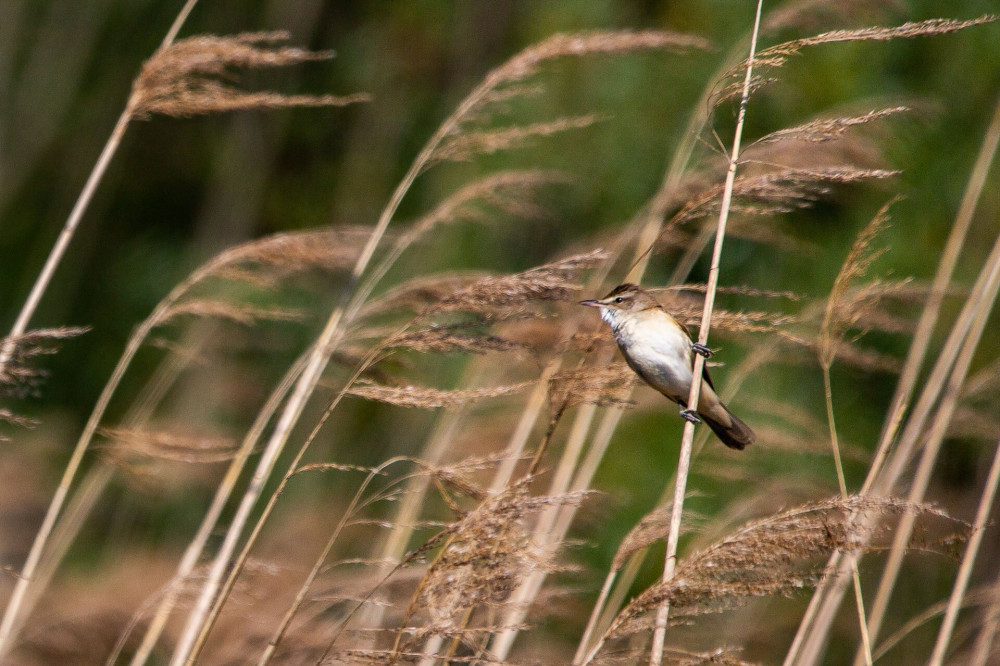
{"x": 451, "y": 338}
{"x": 265, "y": 261}
{"x": 580, "y": 44}
{"x": 762, "y": 558}
{"x": 169, "y": 445}
{"x": 508, "y": 191}
{"x": 863, "y": 308}
{"x": 742, "y": 290}
{"x": 420, "y": 293}
{"x": 908, "y": 30}
{"x": 424, "y": 397}
{"x": 215, "y": 309}
{"x": 456, "y": 141}
{"x": 653, "y": 527}
{"x": 807, "y": 13}
{"x": 186, "y": 78}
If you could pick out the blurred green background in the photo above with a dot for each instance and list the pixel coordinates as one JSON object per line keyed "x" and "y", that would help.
{"x": 181, "y": 190}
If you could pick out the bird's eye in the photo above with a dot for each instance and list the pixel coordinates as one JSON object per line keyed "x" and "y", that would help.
{"x": 619, "y": 299}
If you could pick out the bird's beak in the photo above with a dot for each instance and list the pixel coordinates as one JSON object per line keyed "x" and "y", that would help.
{"x": 591, "y": 303}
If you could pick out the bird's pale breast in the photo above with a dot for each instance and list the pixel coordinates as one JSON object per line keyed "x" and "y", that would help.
{"x": 658, "y": 349}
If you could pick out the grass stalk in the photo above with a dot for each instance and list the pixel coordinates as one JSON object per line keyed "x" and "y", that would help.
{"x": 300, "y": 597}
{"x": 958, "y": 592}
{"x": 835, "y": 445}
{"x": 12, "y": 614}
{"x": 319, "y": 357}
{"x": 983, "y": 648}
{"x": 937, "y": 432}
{"x": 827, "y": 595}
{"x": 687, "y": 439}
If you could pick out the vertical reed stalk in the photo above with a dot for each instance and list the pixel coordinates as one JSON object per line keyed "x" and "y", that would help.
{"x": 687, "y": 439}
{"x": 855, "y": 576}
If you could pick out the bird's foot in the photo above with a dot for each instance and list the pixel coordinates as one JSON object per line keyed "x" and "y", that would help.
{"x": 702, "y": 349}
{"x": 690, "y": 415}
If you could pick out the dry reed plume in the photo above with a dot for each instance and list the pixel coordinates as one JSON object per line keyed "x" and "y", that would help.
{"x": 355, "y": 444}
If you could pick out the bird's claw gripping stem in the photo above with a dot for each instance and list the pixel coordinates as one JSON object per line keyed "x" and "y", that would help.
{"x": 702, "y": 349}
{"x": 690, "y": 415}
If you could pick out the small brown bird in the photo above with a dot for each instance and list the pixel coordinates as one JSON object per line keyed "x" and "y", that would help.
{"x": 661, "y": 352}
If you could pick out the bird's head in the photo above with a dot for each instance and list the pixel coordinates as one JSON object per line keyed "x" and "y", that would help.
{"x": 623, "y": 299}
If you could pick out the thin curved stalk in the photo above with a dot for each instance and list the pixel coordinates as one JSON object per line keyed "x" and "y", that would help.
{"x": 842, "y": 483}
{"x": 352, "y": 300}
{"x": 12, "y": 614}
{"x": 968, "y": 561}
{"x": 935, "y": 437}
{"x": 300, "y": 597}
{"x": 687, "y": 439}
{"x": 827, "y": 595}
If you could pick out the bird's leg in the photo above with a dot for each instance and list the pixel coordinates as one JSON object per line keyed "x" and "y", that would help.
{"x": 702, "y": 349}
{"x": 690, "y": 415}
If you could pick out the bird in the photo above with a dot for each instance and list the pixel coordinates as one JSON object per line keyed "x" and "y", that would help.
{"x": 660, "y": 350}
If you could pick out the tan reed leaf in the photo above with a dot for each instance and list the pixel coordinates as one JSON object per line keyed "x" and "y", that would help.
{"x": 425, "y": 397}
{"x": 605, "y": 386}
{"x": 828, "y": 129}
{"x": 856, "y": 265}
{"x": 187, "y": 77}
{"x": 167, "y": 445}
{"x": 469, "y": 144}
{"x": 762, "y": 558}
{"x": 549, "y": 282}
{"x": 215, "y": 309}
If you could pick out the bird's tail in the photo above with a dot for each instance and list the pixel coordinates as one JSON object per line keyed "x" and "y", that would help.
{"x": 736, "y": 435}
